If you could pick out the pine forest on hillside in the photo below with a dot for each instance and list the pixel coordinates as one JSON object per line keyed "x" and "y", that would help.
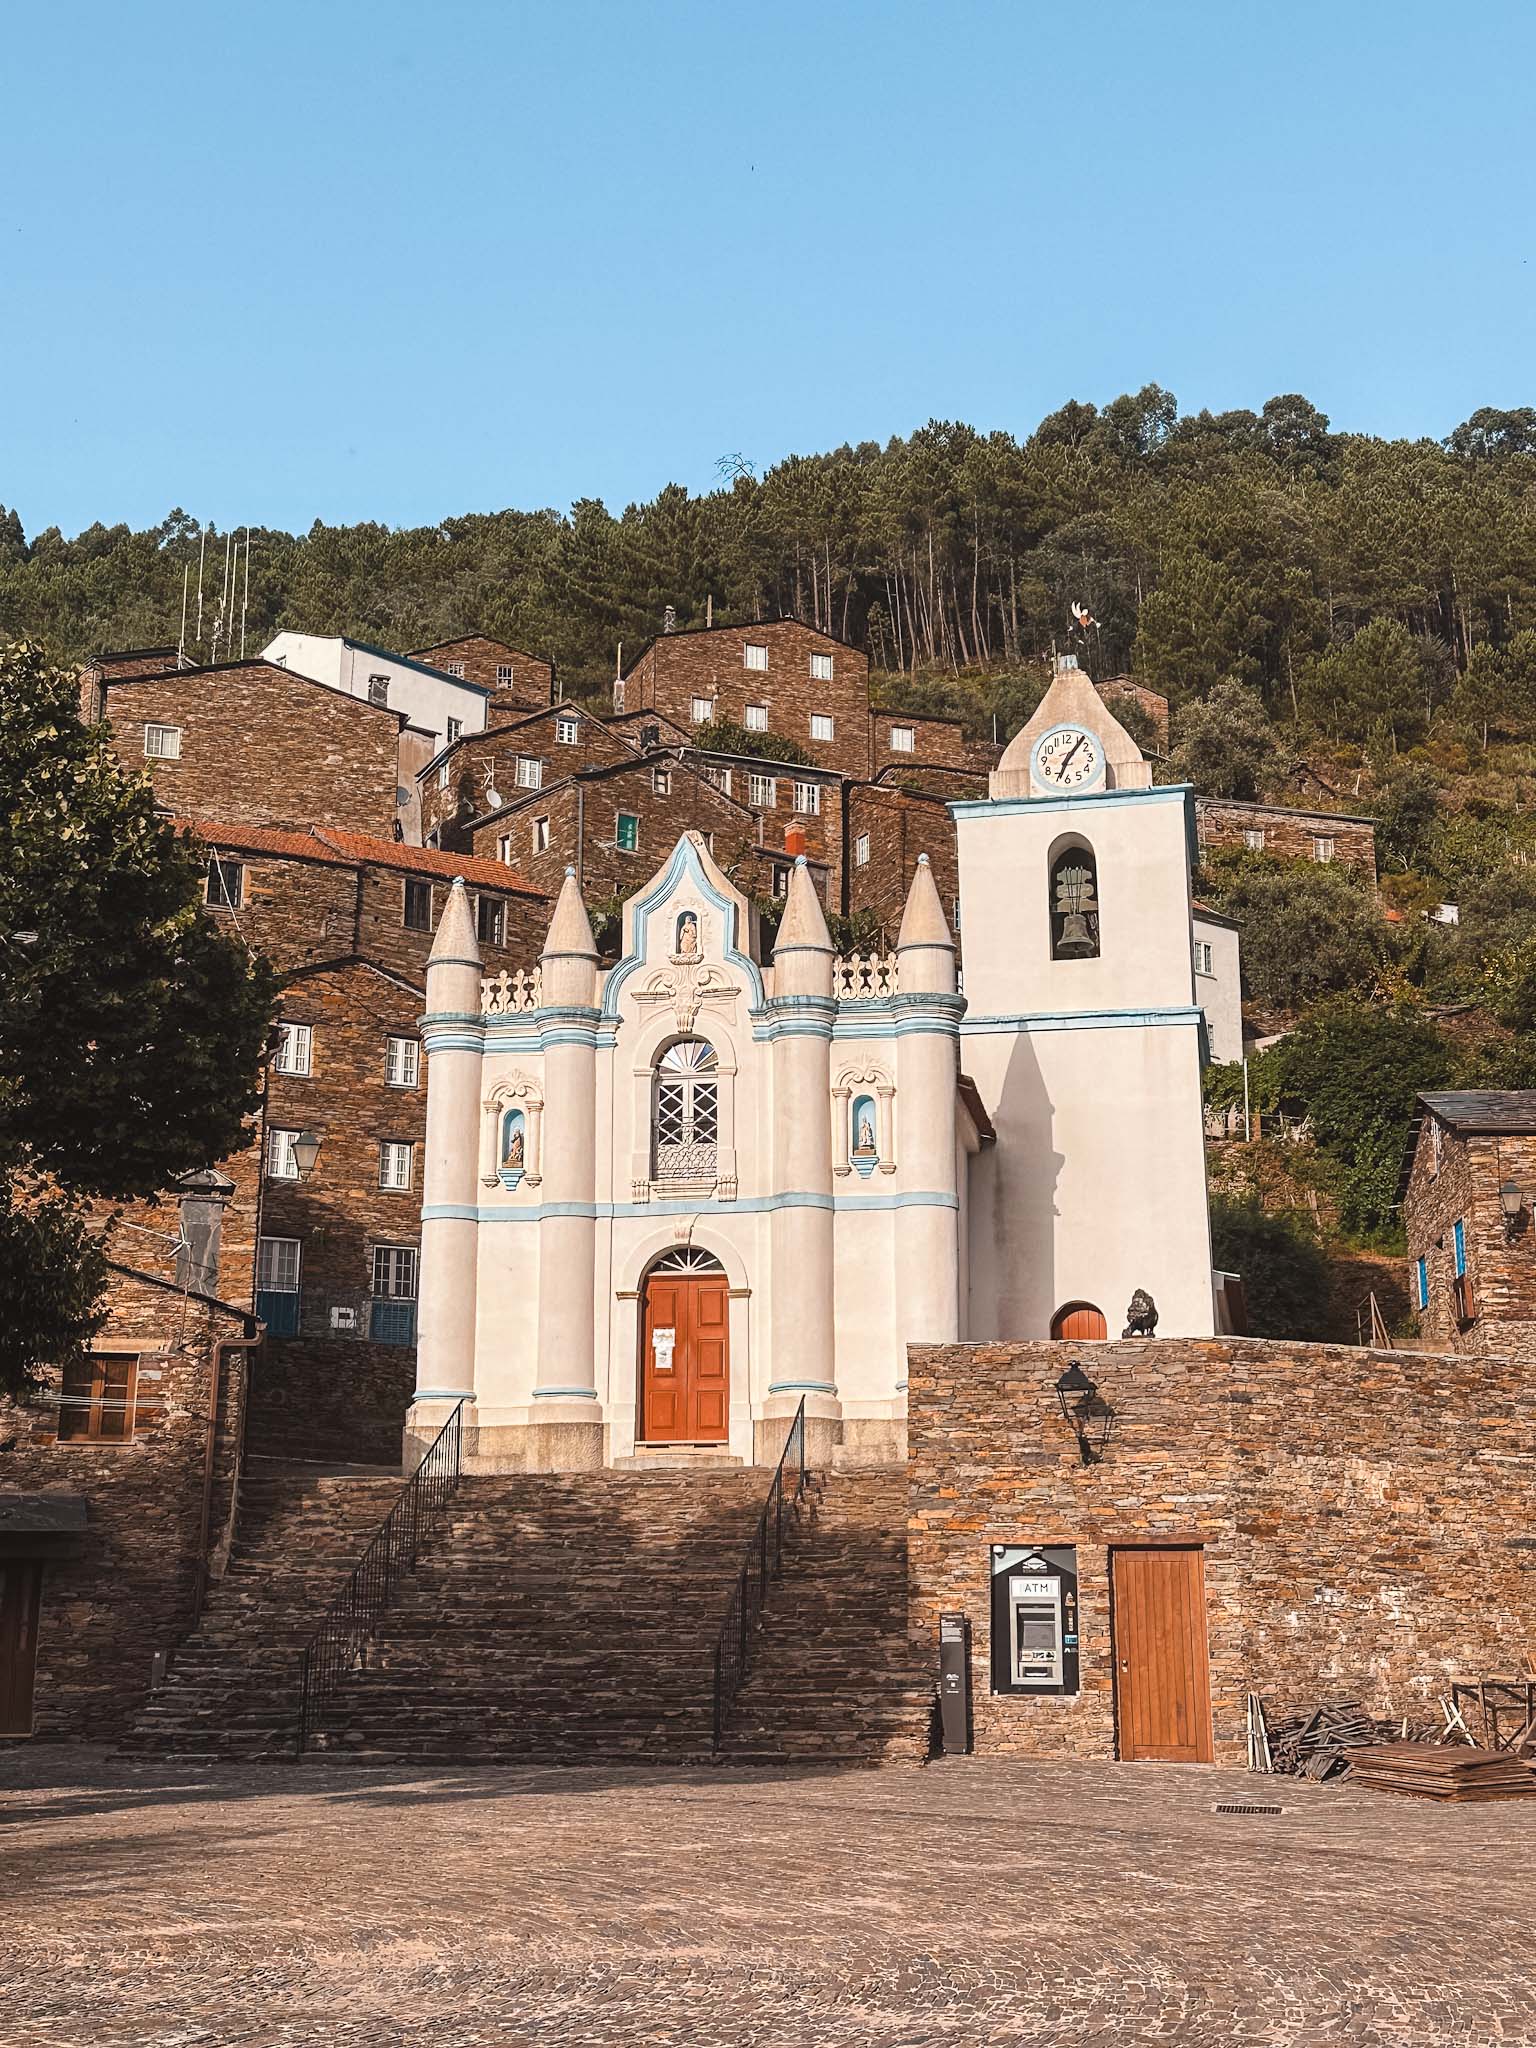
{"x": 1338, "y": 621}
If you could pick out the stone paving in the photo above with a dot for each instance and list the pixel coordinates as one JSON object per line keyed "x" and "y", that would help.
{"x": 982, "y": 1902}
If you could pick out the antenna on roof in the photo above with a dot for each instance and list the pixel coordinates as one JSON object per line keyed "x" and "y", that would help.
{"x": 181, "y": 644}
{"x": 245, "y": 595}
{"x": 202, "y": 547}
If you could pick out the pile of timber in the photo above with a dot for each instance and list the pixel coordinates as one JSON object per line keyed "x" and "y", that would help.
{"x": 1319, "y": 1741}
{"x": 1452, "y": 1775}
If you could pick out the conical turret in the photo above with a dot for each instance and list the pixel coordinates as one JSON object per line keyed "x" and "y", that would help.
{"x": 569, "y": 958}
{"x": 453, "y": 965}
{"x": 803, "y": 952}
{"x": 925, "y": 947}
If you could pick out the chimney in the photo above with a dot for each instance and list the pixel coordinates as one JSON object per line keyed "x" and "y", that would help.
{"x": 669, "y": 619}
{"x": 204, "y": 1198}
{"x": 794, "y": 839}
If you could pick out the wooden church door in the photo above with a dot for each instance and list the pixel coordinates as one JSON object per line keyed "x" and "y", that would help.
{"x": 685, "y": 1364}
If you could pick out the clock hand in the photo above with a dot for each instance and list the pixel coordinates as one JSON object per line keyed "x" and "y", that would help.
{"x": 1075, "y": 745}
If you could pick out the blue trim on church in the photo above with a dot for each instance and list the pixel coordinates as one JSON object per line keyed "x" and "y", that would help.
{"x": 745, "y": 1205}
{"x": 684, "y": 862}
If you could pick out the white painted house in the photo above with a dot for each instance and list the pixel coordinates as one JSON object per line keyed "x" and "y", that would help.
{"x": 434, "y": 702}
{"x": 665, "y": 1203}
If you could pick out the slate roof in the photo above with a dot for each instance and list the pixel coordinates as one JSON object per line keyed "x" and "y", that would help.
{"x": 1473, "y": 1110}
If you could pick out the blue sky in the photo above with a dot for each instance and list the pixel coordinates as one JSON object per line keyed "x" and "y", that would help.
{"x": 336, "y": 260}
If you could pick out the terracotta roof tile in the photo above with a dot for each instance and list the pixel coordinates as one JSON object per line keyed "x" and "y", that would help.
{"x": 360, "y": 849}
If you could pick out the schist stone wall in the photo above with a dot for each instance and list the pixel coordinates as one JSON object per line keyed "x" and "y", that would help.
{"x": 888, "y": 829}
{"x": 1459, "y": 1182}
{"x": 1365, "y": 1516}
{"x": 479, "y": 660}
{"x": 148, "y": 1543}
{"x": 1292, "y": 835}
{"x": 263, "y": 746}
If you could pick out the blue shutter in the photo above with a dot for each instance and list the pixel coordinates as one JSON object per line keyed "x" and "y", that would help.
{"x": 1421, "y": 1276}
{"x": 1461, "y": 1248}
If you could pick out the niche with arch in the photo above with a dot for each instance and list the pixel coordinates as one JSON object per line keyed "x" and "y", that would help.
{"x": 511, "y": 1134}
{"x": 863, "y": 1138}
{"x": 1074, "y": 901}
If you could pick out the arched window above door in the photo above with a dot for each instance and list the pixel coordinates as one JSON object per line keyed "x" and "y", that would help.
{"x": 1075, "y": 903}
{"x": 685, "y": 1119}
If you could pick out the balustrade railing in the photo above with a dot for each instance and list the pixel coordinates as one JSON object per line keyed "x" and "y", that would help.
{"x": 339, "y": 1645}
{"x": 761, "y": 1565}
{"x": 506, "y": 995}
{"x": 865, "y": 978}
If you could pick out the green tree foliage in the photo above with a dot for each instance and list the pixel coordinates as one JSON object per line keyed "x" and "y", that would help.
{"x": 1284, "y": 1268}
{"x": 130, "y": 1029}
{"x": 1354, "y": 1071}
{"x": 1309, "y": 930}
{"x": 1225, "y": 745}
{"x": 1380, "y": 681}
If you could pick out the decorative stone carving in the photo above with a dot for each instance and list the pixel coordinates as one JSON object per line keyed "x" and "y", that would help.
{"x": 1141, "y": 1316}
{"x": 506, "y": 995}
{"x": 512, "y": 1118}
{"x": 861, "y": 979}
{"x": 863, "y": 1137}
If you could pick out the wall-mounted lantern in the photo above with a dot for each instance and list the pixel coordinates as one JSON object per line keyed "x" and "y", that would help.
{"x": 306, "y": 1150}
{"x": 1086, "y": 1412}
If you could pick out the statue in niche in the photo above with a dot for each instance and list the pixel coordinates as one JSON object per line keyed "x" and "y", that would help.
{"x": 1141, "y": 1316}
{"x": 688, "y": 936}
{"x": 512, "y": 1151}
{"x": 864, "y": 1131}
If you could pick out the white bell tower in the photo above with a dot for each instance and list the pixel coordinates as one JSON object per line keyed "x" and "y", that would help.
{"x": 1082, "y": 1033}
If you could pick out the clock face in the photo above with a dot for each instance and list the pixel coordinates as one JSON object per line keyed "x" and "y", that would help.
{"x": 1069, "y": 758}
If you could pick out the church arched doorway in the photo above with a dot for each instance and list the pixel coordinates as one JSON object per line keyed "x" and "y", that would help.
{"x": 685, "y": 1350}
{"x": 1080, "y": 1320}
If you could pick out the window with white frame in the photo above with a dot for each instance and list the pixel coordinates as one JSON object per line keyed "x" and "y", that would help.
{"x": 1204, "y": 963}
{"x": 490, "y": 921}
{"x": 903, "y": 739}
{"x": 754, "y": 655}
{"x": 281, "y": 1162}
{"x": 530, "y": 772}
{"x": 821, "y": 726}
{"x": 504, "y": 849}
{"x": 567, "y": 731}
{"x": 394, "y": 1272}
{"x": 162, "y": 742}
{"x": 661, "y": 781}
{"x": 1253, "y": 839}
{"x": 378, "y": 689}
{"x": 402, "y": 1062}
{"x": 808, "y": 799}
{"x": 861, "y": 850}
{"x": 455, "y": 727}
{"x": 757, "y": 718}
{"x": 454, "y": 668}
{"x": 703, "y": 710}
{"x": 540, "y": 840}
{"x": 395, "y": 1166}
{"x": 442, "y": 775}
{"x": 503, "y": 675}
{"x": 780, "y": 883}
{"x": 821, "y": 668}
{"x": 277, "y": 1265}
{"x": 1322, "y": 847}
{"x": 686, "y": 1112}
{"x": 763, "y": 791}
{"x": 294, "y": 1045}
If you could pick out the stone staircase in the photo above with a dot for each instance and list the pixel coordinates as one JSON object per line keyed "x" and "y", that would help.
{"x": 834, "y": 1679}
{"x": 233, "y": 1686}
{"x": 560, "y": 1619}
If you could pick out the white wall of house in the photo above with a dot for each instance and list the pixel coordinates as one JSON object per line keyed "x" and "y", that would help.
{"x": 1219, "y": 983}
{"x": 429, "y": 698}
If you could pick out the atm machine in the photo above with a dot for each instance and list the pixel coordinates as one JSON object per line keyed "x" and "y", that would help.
{"x": 1034, "y": 1619}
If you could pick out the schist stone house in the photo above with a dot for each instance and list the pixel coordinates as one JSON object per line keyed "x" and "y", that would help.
{"x": 1469, "y": 1193}
{"x": 665, "y": 1202}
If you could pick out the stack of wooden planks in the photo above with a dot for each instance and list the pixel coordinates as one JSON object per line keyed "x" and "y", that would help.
{"x": 1453, "y": 1775}
{"x": 1319, "y": 1741}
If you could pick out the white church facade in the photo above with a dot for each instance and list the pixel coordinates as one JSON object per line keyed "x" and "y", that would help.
{"x": 665, "y": 1202}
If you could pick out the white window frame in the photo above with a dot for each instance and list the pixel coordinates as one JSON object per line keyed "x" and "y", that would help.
{"x": 763, "y": 790}
{"x": 779, "y": 885}
{"x": 280, "y": 1162}
{"x": 540, "y": 841}
{"x": 504, "y": 675}
{"x": 402, "y": 1062}
{"x": 1205, "y": 957}
{"x": 167, "y": 746}
{"x": 1324, "y": 847}
{"x": 455, "y": 727}
{"x": 530, "y": 772}
{"x": 567, "y": 730}
{"x": 442, "y": 775}
{"x": 861, "y": 850}
{"x": 1253, "y": 838}
{"x": 454, "y": 669}
{"x": 295, "y": 1051}
{"x": 823, "y": 726}
{"x": 273, "y": 1265}
{"x": 703, "y": 710}
{"x": 757, "y": 718}
{"x": 808, "y": 799}
{"x": 754, "y": 655}
{"x": 903, "y": 739}
{"x": 504, "y": 849}
{"x": 396, "y": 1263}
{"x": 397, "y": 1157}
{"x": 661, "y": 781}
{"x": 491, "y": 911}
{"x": 821, "y": 668}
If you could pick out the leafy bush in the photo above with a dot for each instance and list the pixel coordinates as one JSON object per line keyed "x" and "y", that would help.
{"x": 1309, "y": 929}
{"x": 1284, "y": 1269}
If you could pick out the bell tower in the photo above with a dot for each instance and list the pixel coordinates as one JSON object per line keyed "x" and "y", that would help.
{"x": 1082, "y": 1031}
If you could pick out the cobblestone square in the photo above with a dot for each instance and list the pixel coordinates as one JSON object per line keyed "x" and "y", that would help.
{"x": 976, "y": 1901}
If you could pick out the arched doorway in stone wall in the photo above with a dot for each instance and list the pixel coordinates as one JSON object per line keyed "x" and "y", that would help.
{"x": 685, "y": 1350}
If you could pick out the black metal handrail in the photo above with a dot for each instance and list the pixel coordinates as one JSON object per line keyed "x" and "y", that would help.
{"x": 763, "y": 1560}
{"x": 338, "y": 1645}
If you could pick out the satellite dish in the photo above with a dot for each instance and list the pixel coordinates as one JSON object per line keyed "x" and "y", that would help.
{"x": 492, "y": 797}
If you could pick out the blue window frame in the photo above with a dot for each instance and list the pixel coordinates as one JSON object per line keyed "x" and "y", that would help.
{"x": 1421, "y": 1281}
{"x": 1460, "y": 1236}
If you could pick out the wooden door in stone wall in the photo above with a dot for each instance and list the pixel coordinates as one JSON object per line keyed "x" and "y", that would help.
{"x": 685, "y": 1363}
{"x": 21, "y": 1582}
{"x": 1162, "y": 1671}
